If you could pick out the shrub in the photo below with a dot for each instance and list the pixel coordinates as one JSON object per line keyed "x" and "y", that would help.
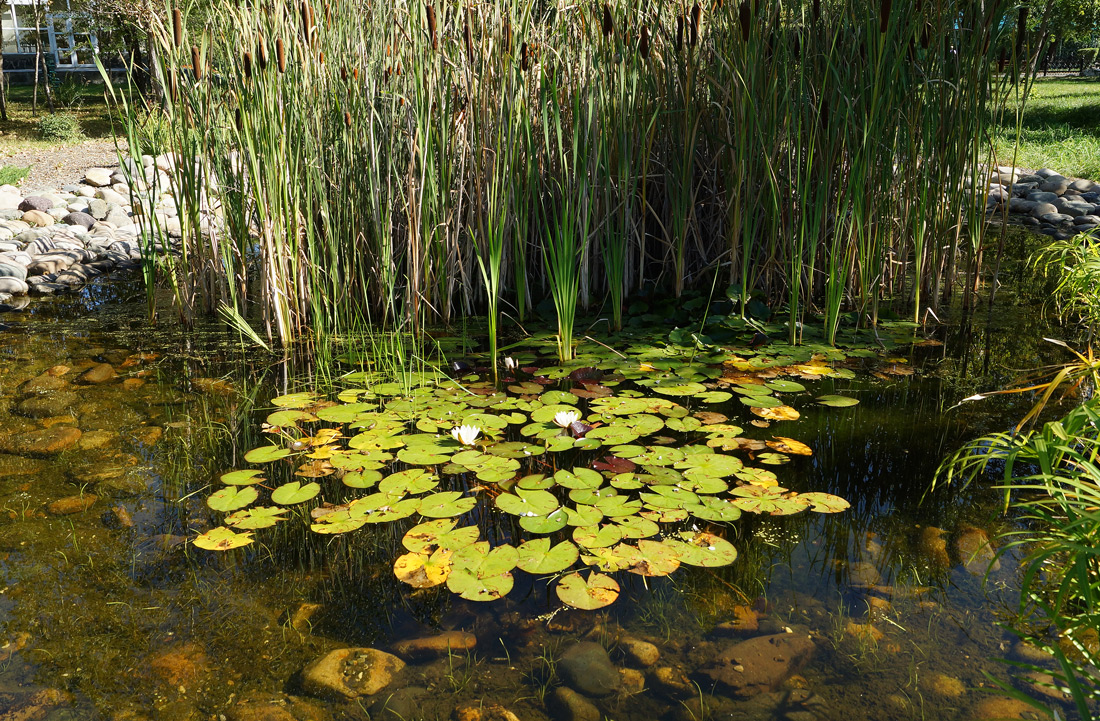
{"x": 59, "y": 126}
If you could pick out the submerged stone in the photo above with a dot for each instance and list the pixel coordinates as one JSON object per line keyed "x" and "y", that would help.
{"x": 71, "y": 505}
{"x": 760, "y": 664}
{"x": 439, "y": 645}
{"x": 586, "y": 667}
{"x": 568, "y": 705}
{"x": 48, "y": 442}
{"x": 97, "y": 374}
{"x": 349, "y": 673}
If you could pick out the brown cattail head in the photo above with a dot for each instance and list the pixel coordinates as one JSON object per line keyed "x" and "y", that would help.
{"x": 506, "y": 36}
{"x": 173, "y": 90}
{"x": 307, "y": 22}
{"x": 261, "y": 51}
{"x": 347, "y": 119}
{"x": 817, "y": 10}
{"x": 523, "y": 51}
{"x": 247, "y": 65}
{"x": 238, "y": 120}
{"x": 823, "y": 115}
{"x": 1021, "y": 30}
{"x": 355, "y": 74}
{"x": 280, "y": 54}
{"x": 321, "y": 57}
{"x": 431, "y": 27}
{"x": 196, "y": 63}
{"x": 925, "y": 36}
{"x": 608, "y": 22}
{"x": 328, "y": 14}
{"x": 1002, "y": 60}
{"x": 744, "y": 15}
{"x": 344, "y": 73}
{"x": 696, "y": 21}
{"x": 717, "y": 4}
{"x": 468, "y": 38}
{"x": 643, "y": 43}
{"x": 884, "y": 15}
{"x": 679, "y": 33}
{"x": 177, "y": 27}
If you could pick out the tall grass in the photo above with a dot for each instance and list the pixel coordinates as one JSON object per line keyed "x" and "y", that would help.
{"x": 405, "y": 162}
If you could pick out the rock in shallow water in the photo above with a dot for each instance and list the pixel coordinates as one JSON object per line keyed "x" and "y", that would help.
{"x": 71, "y": 504}
{"x": 439, "y": 645}
{"x": 48, "y": 442}
{"x": 568, "y": 705}
{"x": 348, "y": 673}
{"x": 586, "y": 667}
{"x": 760, "y": 664}
{"x": 97, "y": 374}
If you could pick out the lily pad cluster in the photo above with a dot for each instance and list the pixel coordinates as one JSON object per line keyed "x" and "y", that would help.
{"x": 589, "y": 470}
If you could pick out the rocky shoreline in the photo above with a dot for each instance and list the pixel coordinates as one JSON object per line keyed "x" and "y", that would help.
{"x": 54, "y": 242}
{"x": 1044, "y": 201}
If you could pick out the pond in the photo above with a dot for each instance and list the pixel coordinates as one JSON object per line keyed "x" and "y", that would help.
{"x": 881, "y": 611}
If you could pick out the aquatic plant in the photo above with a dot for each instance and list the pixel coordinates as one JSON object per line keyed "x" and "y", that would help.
{"x": 573, "y": 474}
{"x": 399, "y": 164}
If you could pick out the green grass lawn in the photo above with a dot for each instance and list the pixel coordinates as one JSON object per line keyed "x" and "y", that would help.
{"x": 86, "y": 103}
{"x": 1060, "y": 129}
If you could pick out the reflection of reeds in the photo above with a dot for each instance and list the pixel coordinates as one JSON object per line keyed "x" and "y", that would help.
{"x": 786, "y": 147}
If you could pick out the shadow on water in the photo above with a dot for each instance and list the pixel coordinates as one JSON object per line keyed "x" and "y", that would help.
{"x": 109, "y": 612}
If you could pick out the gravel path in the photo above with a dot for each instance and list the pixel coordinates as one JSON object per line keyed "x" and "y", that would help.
{"x": 53, "y": 167}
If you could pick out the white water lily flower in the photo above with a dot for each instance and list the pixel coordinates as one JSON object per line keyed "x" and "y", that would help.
{"x": 567, "y": 418}
{"x": 510, "y": 363}
{"x": 466, "y": 435}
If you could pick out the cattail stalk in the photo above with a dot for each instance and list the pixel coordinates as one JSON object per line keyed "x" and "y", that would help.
{"x": 177, "y": 27}
{"x": 431, "y": 27}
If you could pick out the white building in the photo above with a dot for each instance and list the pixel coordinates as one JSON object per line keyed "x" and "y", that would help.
{"x": 67, "y": 43}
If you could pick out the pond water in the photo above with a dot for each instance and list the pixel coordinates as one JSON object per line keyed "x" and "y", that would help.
{"x": 108, "y": 611}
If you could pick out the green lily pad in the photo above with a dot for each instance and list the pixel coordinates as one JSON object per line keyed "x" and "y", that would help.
{"x": 289, "y": 418}
{"x": 702, "y": 549}
{"x": 222, "y": 539}
{"x": 597, "y": 591}
{"x": 716, "y": 465}
{"x": 545, "y": 524}
{"x": 447, "y": 504}
{"x": 825, "y": 502}
{"x": 655, "y": 558}
{"x": 480, "y": 574}
{"x": 361, "y": 479}
{"x": 676, "y": 387}
{"x": 440, "y": 533}
{"x": 578, "y": 478}
{"x": 837, "y": 401}
{"x": 611, "y": 559}
{"x": 294, "y": 492}
{"x": 714, "y": 509}
{"x": 232, "y": 498}
{"x": 538, "y": 557}
{"x": 421, "y": 457}
{"x": 761, "y": 401}
{"x": 527, "y": 503}
{"x": 536, "y": 481}
{"x": 253, "y": 518}
{"x": 785, "y": 386}
{"x": 294, "y": 400}
{"x": 597, "y": 536}
{"x": 346, "y": 413}
{"x": 637, "y": 527}
{"x": 334, "y": 524}
{"x": 772, "y": 501}
{"x": 242, "y": 478}
{"x": 714, "y": 397}
{"x": 409, "y": 482}
{"x": 515, "y": 449}
{"x": 583, "y": 515}
{"x": 266, "y": 454}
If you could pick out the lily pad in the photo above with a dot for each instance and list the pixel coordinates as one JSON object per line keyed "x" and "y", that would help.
{"x": 295, "y": 400}
{"x": 242, "y": 478}
{"x": 294, "y": 492}
{"x": 222, "y": 539}
{"x": 537, "y": 556}
{"x": 825, "y": 502}
{"x": 834, "y": 401}
{"x": 545, "y": 524}
{"x": 702, "y": 549}
{"x": 422, "y": 570}
{"x": 447, "y": 504}
{"x": 597, "y": 591}
{"x": 232, "y": 498}
{"x": 655, "y": 558}
{"x": 785, "y": 386}
{"x": 527, "y": 503}
{"x": 440, "y": 533}
{"x": 578, "y": 478}
{"x": 409, "y": 482}
{"x": 597, "y": 536}
{"x": 266, "y": 454}
{"x": 253, "y": 518}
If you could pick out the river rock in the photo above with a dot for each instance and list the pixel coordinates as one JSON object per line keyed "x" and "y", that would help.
{"x": 401, "y": 704}
{"x": 43, "y": 383}
{"x": 14, "y": 286}
{"x": 97, "y": 177}
{"x": 1042, "y": 209}
{"x": 11, "y": 466}
{"x": 349, "y": 673}
{"x": 47, "y": 442}
{"x": 10, "y": 201}
{"x": 1055, "y": 184}
{"x": 863, "y": 573}
{"x": 439, "y": 645}
{"x": 568, "y": 705}
{"x": 13, "y": 270}
{"x": 760, "y": 664}
{"x": 933, "y": 547}
{"x": 482, "y": 712}
{"x": 35, "y": 202}
{"x": 79, "y": 218}
{"x": 587, "y": 668}
{"x": 672, "y": 681}
{"x": 999, "y": 708}
{"x": 975, "y": 551}
{"x": 639, "y": 653}
{"x": 98, "y": 208}
{"x": 71, "y": 504}
{"x": 97, "y": 374}
{"x": 38, "y": 218}
{"x": 943, "y": 685}
{"x": 745, "y": 622}
{"x": 57, "y": 403}
{"x": 181, "y": 665}
{"x": 631, "y": 681}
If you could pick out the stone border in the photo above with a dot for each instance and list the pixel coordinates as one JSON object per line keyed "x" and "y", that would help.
{"x": 1045, "y": 201}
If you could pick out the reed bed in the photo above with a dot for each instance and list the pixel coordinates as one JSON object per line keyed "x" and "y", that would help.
{"x": 348, "y": 163}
